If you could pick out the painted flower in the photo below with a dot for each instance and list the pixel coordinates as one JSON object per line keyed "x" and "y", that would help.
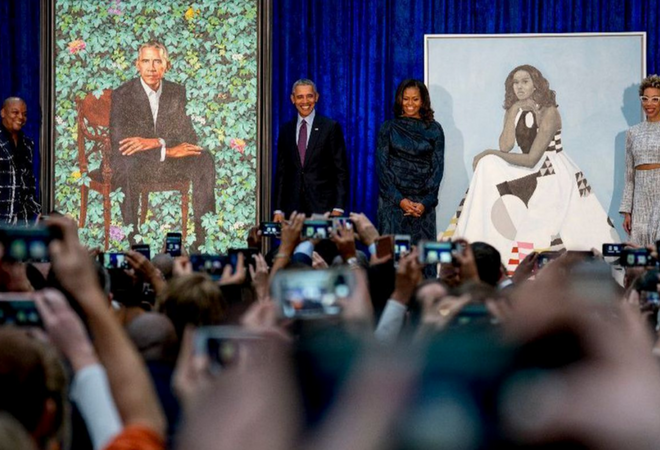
{"x": 115, "y": 9}
{"x": 237, "y": 56}
{"x": 238, "y": 144}
{"x": 76, "y": 46}
{"x": 190, "y": 13}
{"x": 238, "y": 225}
{"x": 76, "y": 175}
{"x": 116, "y": 233}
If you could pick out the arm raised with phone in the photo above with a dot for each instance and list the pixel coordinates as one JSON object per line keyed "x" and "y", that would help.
{"x": 132, "y": 389}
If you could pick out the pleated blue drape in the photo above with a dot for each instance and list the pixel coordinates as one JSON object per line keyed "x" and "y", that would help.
{"x": 19, "y": 60}
{"x": 357, "y": 51}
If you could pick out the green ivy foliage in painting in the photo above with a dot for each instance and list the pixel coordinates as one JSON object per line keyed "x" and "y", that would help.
{"x": 213, "y": 50}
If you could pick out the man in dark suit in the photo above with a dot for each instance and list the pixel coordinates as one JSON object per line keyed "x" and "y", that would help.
{"x": 153, "y": 139}
{"x": 312, "y": 173}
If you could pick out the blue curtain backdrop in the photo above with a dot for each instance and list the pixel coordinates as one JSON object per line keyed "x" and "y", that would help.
{"x": 357, "y": 51}
{"x": 19, "y": 60}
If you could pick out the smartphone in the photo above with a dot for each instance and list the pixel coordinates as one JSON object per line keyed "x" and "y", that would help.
{"x": 649, "y": 297}
{"x": 142, "y": 249}
{"x": 114, "y": 260}
{"x": 544, "y": 258}
{"x": 613, "y": 249}
{"x": 635, "y": 257}
{"x": 385, "y": 246}
{"x": 226, "y": 345}
{"x": 433, "y": 252}
{"x": 27, "y": 244}
{"x": 173, "y": 244}
{"x": 308, "y": 294}
{"x": 213, "y": 265}
{"x": 341, "y": 221}
{"x": 271, "y": 229}
{"x": 248, "y": 255}
{"x": 18, "y": 308}
{"x": 316, "y": 229}
{"x": 401, "y": 246}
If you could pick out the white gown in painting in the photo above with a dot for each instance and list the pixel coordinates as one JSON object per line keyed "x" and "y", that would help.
{"x": 519, "y": 210}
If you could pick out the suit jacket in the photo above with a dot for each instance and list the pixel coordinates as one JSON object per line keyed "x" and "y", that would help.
{"x": 323, "y": 178}
{"x": 130, "y": 116}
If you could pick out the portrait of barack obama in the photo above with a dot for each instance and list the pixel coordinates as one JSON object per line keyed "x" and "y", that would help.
{"x": 153, "y": 139}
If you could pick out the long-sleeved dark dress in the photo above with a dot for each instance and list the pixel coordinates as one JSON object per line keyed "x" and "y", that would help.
{"x": 410, "y": 165}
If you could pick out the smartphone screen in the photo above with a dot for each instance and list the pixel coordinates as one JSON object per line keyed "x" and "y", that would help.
{"x": 316, "y": 229}
{"x": 612, "y": 249}
{"x": 271, "y": 229}
{"x": 401, "y": 245}
{"x": 18, "y": 309}
{"x": 213, "y": 265}
{"x": 304, "y": 294}
{"x": 432, "y": 252}
{"x": 113, "y": 260}
{"x": 635, "y": 257}
{"x": 26, "y": 244}
{"x": 649, "y": 297}
{"x": 173, "y": 244}
{"x": 142, "y": 249}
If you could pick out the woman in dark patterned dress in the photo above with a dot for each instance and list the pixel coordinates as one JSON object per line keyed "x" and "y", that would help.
{"x": 410, "y": 153}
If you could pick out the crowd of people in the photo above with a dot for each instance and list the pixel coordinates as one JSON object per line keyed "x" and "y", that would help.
{"x": 266, "y": 354}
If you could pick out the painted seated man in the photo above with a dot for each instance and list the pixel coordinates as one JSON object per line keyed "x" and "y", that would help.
{"x": 153, "y": 139}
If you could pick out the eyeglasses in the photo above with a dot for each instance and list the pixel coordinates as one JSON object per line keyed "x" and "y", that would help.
{"x": 651, "y": 100}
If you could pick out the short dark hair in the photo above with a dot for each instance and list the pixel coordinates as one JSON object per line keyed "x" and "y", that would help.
{"x": 426, "y": 112}
{"x": 303, "y": 82}
{"x": 488, "y": 261}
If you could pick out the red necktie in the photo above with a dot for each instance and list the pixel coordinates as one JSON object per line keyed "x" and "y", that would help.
{"x": 302, "y": 141}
